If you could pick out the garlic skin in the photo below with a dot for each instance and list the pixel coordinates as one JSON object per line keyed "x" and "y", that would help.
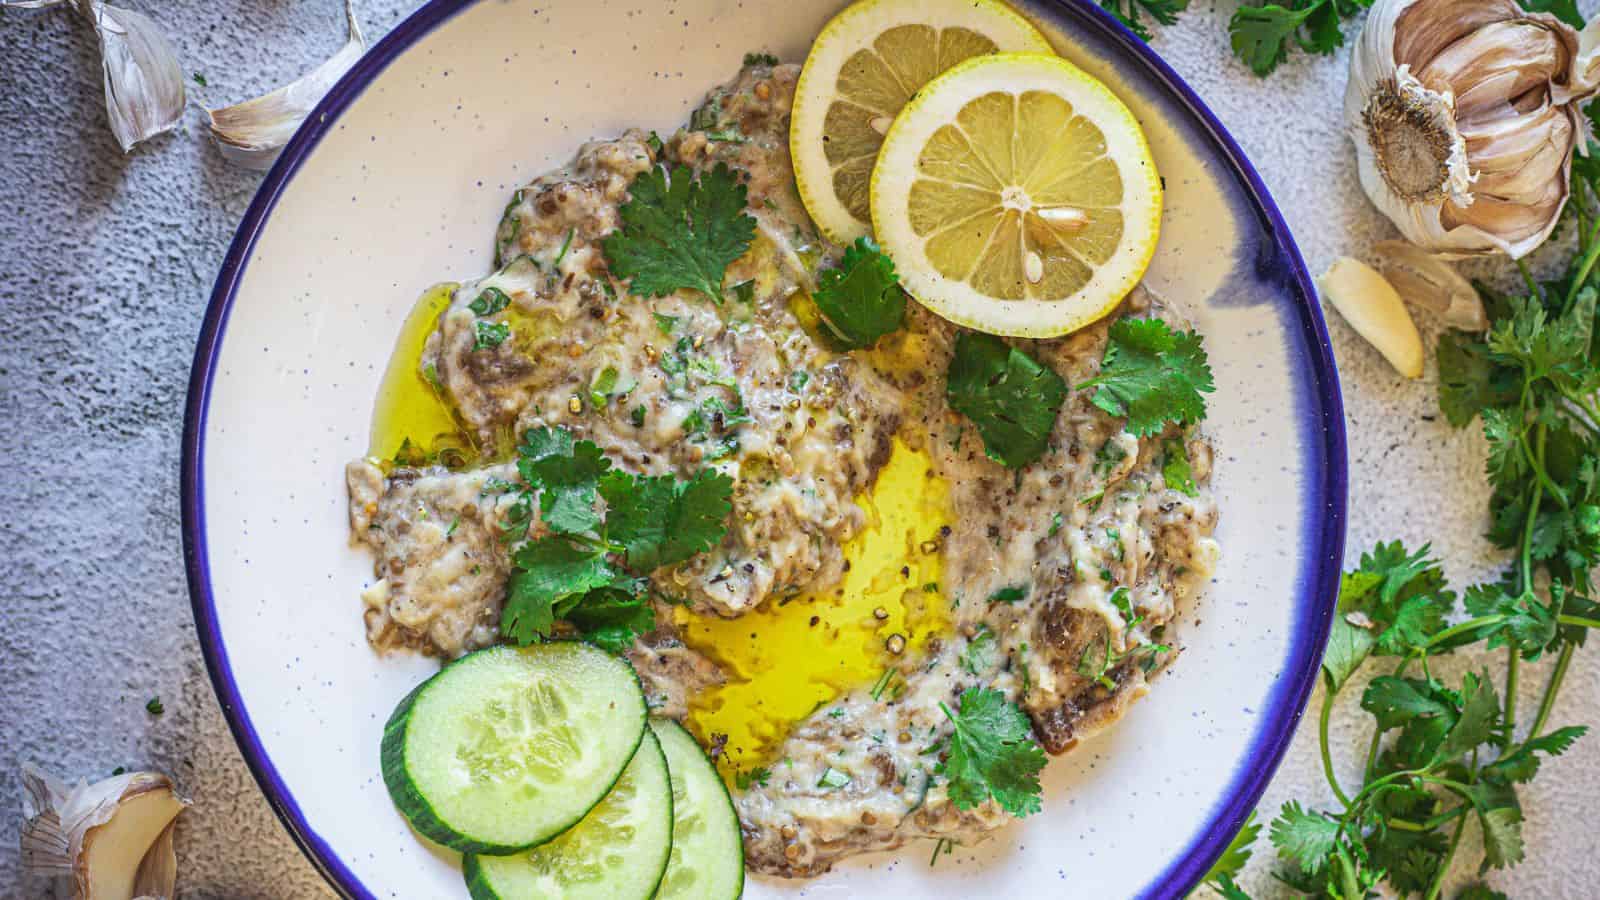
{"x": 113, "y": 838}
{"x": 143, "y": 79}
{"x": 1465, "y": 115}
{"x": 252, "y": 134}
{"x": 1375, "y": 311}
{"x": 1425, "y": 280}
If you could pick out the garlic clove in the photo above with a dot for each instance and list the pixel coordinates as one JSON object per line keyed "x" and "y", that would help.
{"x": 1375, "y": 311}
{"x": 143, "y": 80}
{"x": 252, "y": 134}
{"x": 113, "y": 837}
{"x": 109, "y": 865}
{"x": 1425, "y": 280}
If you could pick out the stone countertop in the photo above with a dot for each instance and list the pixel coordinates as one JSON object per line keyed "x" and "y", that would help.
{"x": 106, "y": 263}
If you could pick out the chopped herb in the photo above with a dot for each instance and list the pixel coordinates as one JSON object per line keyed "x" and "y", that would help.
{"x": 565, "y": 246}
{"x": 836, "y": 713}
{"x": 1108, "y": 456}
{"x": 1175, "y": 470}
{"x": 637, "y": 416}
{"x": 489, "y": 335}
{"x": 431, "y": 374}
{"x": 119, "y": 770}
{"x": 489, "y": 301}
{"x": 154, "y": 707}
{"x": 931, "y": 587}
{"x": 760, "y": 59}
{"x": 756, "y": 776}
{"x": 726, "y": 136}
{"x": 600, "y": 390}
{"x": 454, "y": 523}
{"x": 798, "y": 379}
{"x": 942, "y": 845}
{"x": 653, "y": 142}
{"x": 200, "y": 80}
{"x": 982, "y": 652}
{"x": 833, "y": 778}
{"x": 745, "y": 291}
{"x": 1012, "y": 594}
{"x": 1055, "y": 524}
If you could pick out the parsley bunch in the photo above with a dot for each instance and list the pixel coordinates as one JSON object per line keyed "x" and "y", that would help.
{"x": 1446, "y": 757}
{"x": 589, "y": 569}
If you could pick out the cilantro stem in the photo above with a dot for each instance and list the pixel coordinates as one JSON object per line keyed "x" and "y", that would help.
{"x": 1578, "y": 621}
{"x": 1429, "y": 824}
{"x": 1377, "y": 733}
{"x": 1469, "y": 625}
{"x": 1589, "y": 257}
{"x": 1527, "y": 276}
{"x": 1533, "y": 511}
{"x": 1513, "y": 667}
{"x": 1327, "y": 755}
{"x": 1444, "y": 864}
{"x": 1554, "y": 687}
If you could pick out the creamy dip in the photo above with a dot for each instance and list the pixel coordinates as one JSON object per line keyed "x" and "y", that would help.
{"x": 679, "y": 383}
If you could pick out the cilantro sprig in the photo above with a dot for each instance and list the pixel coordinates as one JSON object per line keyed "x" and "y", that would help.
{"x": 680, "y": 232}
{"x": 991, "y": 754}
{"x": 1127, "y": 12}
{"x": 1010, "y": 397}
{"x": 861, "y": 300}
{"x": 1152, "y": 375}
{"x": 589, "y": 569}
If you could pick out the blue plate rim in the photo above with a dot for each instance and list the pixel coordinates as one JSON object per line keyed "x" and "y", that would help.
{"x": 1327, "y": 511}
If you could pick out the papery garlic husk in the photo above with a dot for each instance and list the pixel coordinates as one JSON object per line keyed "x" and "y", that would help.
{"x": 1426, "y": 280}
{"x": 253, "y": 133}
{"x": 113, "y": 838}
{"x": 1465, "y": 115}
{"x": 144, "y": 82}
{"x": 1373, "y": 308}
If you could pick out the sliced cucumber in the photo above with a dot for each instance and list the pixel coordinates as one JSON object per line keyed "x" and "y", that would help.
{"x": 506, "y": 748}
{"x": 707, "y": 851}
{"x": 618, "y": 852}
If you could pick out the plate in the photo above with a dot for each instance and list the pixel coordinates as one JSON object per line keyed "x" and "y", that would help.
{"x": 396, "y": 183}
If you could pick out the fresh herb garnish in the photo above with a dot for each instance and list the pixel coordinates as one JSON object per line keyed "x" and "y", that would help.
{"x": 154, "y": 706}
{"x": 200, "y": 80}
{"x": 991, "y": 754}
{"x": 1009, "y": 396}
{"x": 679, "y": 232}
{"x": 757, "y": 776}
{"x": 861, "y": 300}
{"x": 1263, "y": 35}
{"x": 488, "y": 335}
{"x": 1127, "y": 12}
{"x": 1152, "y": 375}
{"x": 489, "y": 301}
{"x": 1175, "y": 468}
{"x": 588, "y": 570}
{"x": 982, "y": 652}
{"x": 832, "y": 778}
{"x": 565, "y": 246}
{"x": 1015, "y": 593}
{"x": 760, "y": 59}
{"x": 665, "y": 324}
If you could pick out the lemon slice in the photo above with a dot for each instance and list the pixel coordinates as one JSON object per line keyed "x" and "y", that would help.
{"x": 863, "y": 67}
{"x": 1017, "y": 195}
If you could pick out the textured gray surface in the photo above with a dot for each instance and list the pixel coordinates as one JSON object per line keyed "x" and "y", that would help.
{"x": 106, "y": 262}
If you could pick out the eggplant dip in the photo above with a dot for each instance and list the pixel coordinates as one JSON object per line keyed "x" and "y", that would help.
{"x": 604, "y": 374}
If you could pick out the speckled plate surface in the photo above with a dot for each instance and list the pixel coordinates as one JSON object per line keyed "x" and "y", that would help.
{"x": 396, "y": 183}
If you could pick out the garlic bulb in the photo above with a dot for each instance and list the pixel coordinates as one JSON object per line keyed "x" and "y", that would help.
{"x": 143, "y": 81}
{"x": 113, "y": 838}
{"x": 1465, "y": 114}
{"x": 253, "y": 133}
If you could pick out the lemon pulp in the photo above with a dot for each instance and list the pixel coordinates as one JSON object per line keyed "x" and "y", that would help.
{"x": 873, "y": 85}
{"x": 789, "y": 658}
{"x": 1017, "y": 197}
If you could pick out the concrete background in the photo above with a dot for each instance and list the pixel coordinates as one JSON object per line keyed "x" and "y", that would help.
{"x": 106, "y": 262}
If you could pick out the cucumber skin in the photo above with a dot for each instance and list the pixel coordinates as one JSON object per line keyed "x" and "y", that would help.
{"x": 727, "y": 796}
{"x": 479, "y": 888}
{"x": 416, "y": 809}
{"x": 412, "y": 805}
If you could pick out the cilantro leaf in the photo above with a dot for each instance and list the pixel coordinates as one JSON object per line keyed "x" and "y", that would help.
{"x": 679, "y": 232}
{"x": 1502, "y": 836}
{"x": 489, "y": 335}
{"x": 981, "y": 653}
{"x": 1397, "y": 701}
{"x": 1304, "y": 837}
{"x": 1521, "y": 764}
{"x": 1152, "y": 375}
{"x": 1127, "y": 12}
{"x": 991, "y": 754}
{"x": 550, "y": 573}
{"x": 1175, "y": 468}
{"x": 1234, "y": 856}
{"x": 1480, "y": 715}
{"x": 1009, "y": 396}
{"x": 1348, "y": 647}
{"x": 612, "y": 617}
{"x": 565, "y": 474}
{"x": 660, "y": 521}
{"x": 1480, "y": 891}
{"x": 1469, "y": 380}
{"x": 861, "y": 300}
{"x": 1261, "y": 34}
{"x": 1403, "y": 593}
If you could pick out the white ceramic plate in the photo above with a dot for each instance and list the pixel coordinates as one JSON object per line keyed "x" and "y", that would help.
{"x": 397, "y": 182}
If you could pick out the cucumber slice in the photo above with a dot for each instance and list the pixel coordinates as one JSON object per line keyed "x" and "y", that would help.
{"x": 506, "y": 748}
{"x": 707, "y": 850}
{"x": 618, "y": 852}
